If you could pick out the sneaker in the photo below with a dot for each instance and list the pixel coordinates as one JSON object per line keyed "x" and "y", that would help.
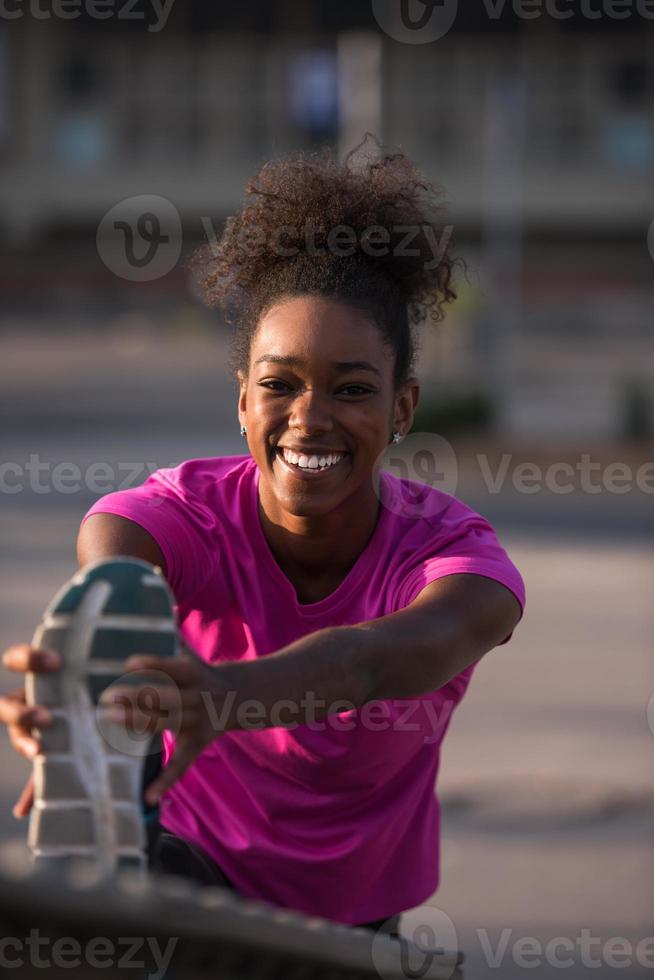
{"x": 88, "y": 778}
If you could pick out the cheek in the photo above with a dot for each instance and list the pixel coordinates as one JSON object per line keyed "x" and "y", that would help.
{"x": 370, "y": 421}
{"x": 263, "y": 411}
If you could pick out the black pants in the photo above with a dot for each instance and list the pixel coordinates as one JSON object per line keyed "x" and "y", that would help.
{"x": 170, "y": 854}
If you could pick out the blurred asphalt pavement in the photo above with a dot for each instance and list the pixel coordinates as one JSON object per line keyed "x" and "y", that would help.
{"x": 547, "y": 771}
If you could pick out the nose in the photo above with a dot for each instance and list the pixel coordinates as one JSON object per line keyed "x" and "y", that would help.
{"x": 311, "y": 413}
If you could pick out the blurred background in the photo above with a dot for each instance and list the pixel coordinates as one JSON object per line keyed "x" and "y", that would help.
{"x": 127, "y": 133}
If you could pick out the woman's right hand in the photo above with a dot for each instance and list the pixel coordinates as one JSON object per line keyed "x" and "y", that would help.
{"x": 19, "y": 717}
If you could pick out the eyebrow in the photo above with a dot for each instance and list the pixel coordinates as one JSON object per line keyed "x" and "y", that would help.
{"x": 337, "y": 365}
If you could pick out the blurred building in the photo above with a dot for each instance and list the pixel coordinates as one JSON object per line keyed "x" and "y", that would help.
{"x": 541, "y": 132}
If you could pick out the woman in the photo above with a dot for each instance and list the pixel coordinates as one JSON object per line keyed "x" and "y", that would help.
{"x": 334, "y": 629}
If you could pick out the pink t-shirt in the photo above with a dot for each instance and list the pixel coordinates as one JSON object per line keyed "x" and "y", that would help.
{"x": 335, "y": 817}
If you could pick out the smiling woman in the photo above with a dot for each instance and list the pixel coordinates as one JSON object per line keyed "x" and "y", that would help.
{"x": 312, "y": 601}
{"x": 321, "y": 386}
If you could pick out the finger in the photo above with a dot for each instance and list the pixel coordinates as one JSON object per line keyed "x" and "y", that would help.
{"x": 14, "y": 711}
{"x": 24, "y": 803}
{"x": 24, "y": 744}
{"x": 149, "y": 696}
{"x": 10, "y": 706}
{"x": 153, "y": 719}
{"x": 177, "y": 766}
{"x": 20, "y": 720}
{"x": 21, "y": 657}
{"x": 183, "y": 672}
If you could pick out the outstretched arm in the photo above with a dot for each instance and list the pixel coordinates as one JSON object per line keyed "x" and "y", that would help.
{"x": 452, "y": 623}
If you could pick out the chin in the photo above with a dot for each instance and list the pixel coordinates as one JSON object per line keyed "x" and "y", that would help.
{"x": 305, "y": 507}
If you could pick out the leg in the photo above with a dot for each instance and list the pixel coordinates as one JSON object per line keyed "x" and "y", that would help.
{"x": 170, "y": 854}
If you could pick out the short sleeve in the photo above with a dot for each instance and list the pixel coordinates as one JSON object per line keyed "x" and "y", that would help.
{"x": 183, "y": 526}
{"x": 471, "y": 548}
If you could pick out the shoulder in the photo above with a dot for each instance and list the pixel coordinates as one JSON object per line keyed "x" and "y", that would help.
{"x": 433, "y": 534}
{"x": 195, "y": 489}
{"x": 428, "y": 514}
{"x": 184, "y": 510}
{"x": 204, "y": 477}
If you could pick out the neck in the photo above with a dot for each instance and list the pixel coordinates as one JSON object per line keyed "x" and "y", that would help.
{"x": 318, "y": 547}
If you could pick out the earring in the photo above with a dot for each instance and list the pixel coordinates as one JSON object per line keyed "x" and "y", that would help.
{"x": 397, "y": 437}
{"x": 243, "y": 430}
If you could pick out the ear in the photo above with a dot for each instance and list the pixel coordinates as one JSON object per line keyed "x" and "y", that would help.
{"x": 406, "y": 402}
{"x": 242, "y": 396}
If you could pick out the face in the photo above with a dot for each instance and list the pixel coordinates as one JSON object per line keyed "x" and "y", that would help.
{"x": 320, "y": 385}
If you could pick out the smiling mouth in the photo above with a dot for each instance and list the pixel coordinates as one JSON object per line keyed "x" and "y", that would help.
{"x": 309, "y": 471}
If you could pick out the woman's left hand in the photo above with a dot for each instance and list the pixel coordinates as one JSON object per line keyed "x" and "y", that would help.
{"x": 178, "y": 694}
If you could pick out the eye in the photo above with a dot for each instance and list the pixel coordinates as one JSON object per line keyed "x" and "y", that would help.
{"x": 268, "y": 384}
{"x": 357, "y": 389}
{"x": 282, "y": 387}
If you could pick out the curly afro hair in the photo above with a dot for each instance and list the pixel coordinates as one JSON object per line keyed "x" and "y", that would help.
{"x": 367, "y": 231}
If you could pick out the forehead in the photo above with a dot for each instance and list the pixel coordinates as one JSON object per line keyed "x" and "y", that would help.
{"x": 311, "y": 327}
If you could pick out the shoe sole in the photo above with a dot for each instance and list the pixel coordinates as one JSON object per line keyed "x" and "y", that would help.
{"x": 88, "y": 776}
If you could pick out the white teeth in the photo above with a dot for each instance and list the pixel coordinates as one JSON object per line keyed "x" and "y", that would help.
{"x": 311, "y": 462}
